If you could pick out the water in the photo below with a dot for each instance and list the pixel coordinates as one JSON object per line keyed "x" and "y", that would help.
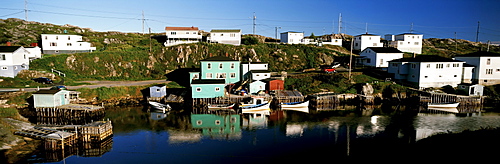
{"x": 145, "y": 137}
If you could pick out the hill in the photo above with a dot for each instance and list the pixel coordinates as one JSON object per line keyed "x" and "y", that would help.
{"x": 127, "y": 56}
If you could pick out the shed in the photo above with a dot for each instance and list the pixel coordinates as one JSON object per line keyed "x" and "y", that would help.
{"x": 158, "y": 91}
{"x": 257, "y": 86}
{"x": 274, "y": 84}
{"x": 207, "y": 88}
{"x": 471, "y": 89}
{"x": 50, "y": 98}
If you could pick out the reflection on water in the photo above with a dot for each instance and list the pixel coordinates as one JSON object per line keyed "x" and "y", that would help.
{"x": 149, "y": 137}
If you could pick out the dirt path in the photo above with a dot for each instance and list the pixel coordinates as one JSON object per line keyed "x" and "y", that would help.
{"x": 95, "y": 84}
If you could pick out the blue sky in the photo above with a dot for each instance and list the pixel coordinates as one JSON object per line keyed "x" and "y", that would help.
{"x": 432, "y": 18}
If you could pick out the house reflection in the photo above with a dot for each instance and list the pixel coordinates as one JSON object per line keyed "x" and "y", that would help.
{"x": 223, "y": 127}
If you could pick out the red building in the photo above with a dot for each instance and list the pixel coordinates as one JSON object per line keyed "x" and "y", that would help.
{"x": 274, "y": 84}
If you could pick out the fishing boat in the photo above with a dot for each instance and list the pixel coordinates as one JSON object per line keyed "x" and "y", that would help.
{"x": 295, "y": 104}
{"x": 302, "y": 106}
{"x": 159, "y": 106}
{"x": 260, "y": 108}
{"x": 220, "y": 106}
{"x": 442, "y": 105}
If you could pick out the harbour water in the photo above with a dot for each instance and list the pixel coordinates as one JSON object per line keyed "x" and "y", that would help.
{"x": 141, "y": 136}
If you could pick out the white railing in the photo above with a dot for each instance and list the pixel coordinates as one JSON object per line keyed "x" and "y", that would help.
{"x": 58, "y": 72}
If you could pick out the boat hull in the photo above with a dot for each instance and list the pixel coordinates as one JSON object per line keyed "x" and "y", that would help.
{"x": 442, "y": 105}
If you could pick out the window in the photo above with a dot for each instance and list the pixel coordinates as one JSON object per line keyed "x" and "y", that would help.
{"x": 368, "y": 60}
{"x": 381, "y": 61}
{"x": 194, "y": 33}
{"x": 232, "y": 35}
{"x": 447, "y": 65}
{"x": 199, "y": 122}
{"x": 221, "y": 34}
{"x": 187, "y": 32}
{"x": 456, "y": 65}
{"x": 158, "y": 90}
{"x": 68, "y": 44}
{"x": 220, "y": 65}
{"x": 413, "y": 66}
{"x": 498, "y": 70}
{"x": 489, "y": 71}
{"x": 173, "y": 33}
{"x": 69, "y": 38}
{"x": 198, "y": 89}
{"x": 2, "y": 57}
{"x": 232, "y": 75}
{"x": 488, "y": 61}
{"x": 426, "y": 76}
{"x": 217, "y": 122}
{"x": 45, "y": 37}
{"x": 217, "y": 89}
{"x": 454, "y": 75}
{"x": 221, "y": 75}
{"x": 375, "y": 44}
{"x": 209, "y": 75}
{"x": 439, "y": 66}
{"x": 5, "y": 68}
{"x": 195, "y": 76}
{"x": 428, "y": 65}
{"x": 232, "y": 65}
{"x": 53, "y": 44}
{"x": 209, "y": 65}
{"x": 57, "y": 37}
{"x": 416, "y": 43}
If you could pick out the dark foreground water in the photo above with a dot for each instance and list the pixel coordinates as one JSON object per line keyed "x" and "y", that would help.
{"x": 354, "y": 134}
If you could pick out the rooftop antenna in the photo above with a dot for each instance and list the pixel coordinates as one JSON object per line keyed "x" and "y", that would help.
{"x": 366, "y": 28}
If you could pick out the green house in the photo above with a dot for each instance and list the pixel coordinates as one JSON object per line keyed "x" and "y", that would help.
{"x": 217, "y": 125}
{"x": 220, "y": 67}
{"x": 50, "y": 98}
{"x": 207, "y": 88}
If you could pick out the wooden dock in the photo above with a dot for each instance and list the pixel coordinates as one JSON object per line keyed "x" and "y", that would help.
{"x": 70, "y": 111}
{"x": 53, "y": 139}
{"x": 96, "y": 131}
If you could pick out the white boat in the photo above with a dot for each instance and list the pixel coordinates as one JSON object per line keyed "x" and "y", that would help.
{"x": 261, "y": 108}
{"x": 160, "y": 106}
{"x": 220, "y": 106}
{"x": 296, "y": 106}
{"x": 442, "y": 105}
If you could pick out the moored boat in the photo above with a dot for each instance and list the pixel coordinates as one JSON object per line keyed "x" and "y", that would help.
{"x": 220, "y": 106}
{"x": 159, "y": 106}
{"x": 296, "y": 106}
{"x": 261, "y": 108}
{"x": 442, "y": 105}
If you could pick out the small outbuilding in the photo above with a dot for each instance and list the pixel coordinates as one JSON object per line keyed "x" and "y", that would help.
{"x": 50, "y": 98}
{"x": 158, "y": 91}
{"x": 471, "y": 89}
{"x": 274, "y": 84}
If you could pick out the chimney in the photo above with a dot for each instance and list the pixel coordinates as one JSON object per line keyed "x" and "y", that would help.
{"x": 210, "y": 54}
{"x": 227, "y": 55}
{"x": 34, "y": 45}
{"x": 8, "y": 44}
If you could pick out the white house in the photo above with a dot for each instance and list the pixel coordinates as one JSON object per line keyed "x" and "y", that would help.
{"x": 291, "y": 37}
{"x": 226, "y": 36}
{"x": 486, "y": 67}
{"x": 426, "y": 71}
{"x": 260, "y": 74}
{"x": 247, "y": 67}
{"x": 337, "y": 42}
{"x": 407, "y": 42}
{"x": 379, "y": 56}
{"x": 64, "y": 44}
{"x": 34, "y": 52}
{"x": 13, "y": 59}
{"x": 182, "y": 35}
{"x": 366, "y": 40}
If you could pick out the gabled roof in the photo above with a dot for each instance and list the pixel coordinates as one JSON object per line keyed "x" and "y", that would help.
{"x": 226, "y": 30}
{"x": 182, "y": 28}
{"x": 9, "y": 48}
{"x": 218, "y": 58}
{"x": 49, "y": 91}
{"x": 209, "y": 81}
{"x": 384, "y": 49}
{"x": 426, "y": 58}
{"x": 367, "y": 35}
{"x": 480, "y": 54}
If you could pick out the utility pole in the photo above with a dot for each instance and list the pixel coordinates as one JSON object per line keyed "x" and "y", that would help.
{"x": 143, "y": 22}
{"x": 254, "y": 17}
{"x": 477, "y": 31}
{"x": 350, "y": 59}
{"x": 150, "y": 40}
{"x": 340, "y": 23}
{"x": 276, "y": 39}
{"x": 366, "y": 28}
{"x": 26, "y": 10}
{"x": 411, "y": 28}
